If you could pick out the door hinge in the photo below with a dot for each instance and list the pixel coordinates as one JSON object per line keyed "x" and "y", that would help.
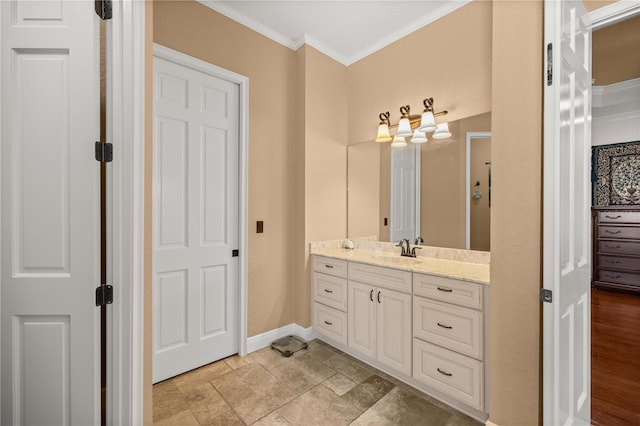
{"x": 103, "y": 9}
{"x": 549, "y": 64}
{"x": 104, "y": 152}
{"x": 235, "y": 253}
{"x": 104, "y": 295}
{"x": 546, "y": 295}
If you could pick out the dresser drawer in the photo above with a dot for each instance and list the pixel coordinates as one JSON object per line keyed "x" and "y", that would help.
{"x": 448, "y": 290}
{"x": 619, "y": 247}
{"x": 453, "y": 327}
{"x": 604, "y": 261}
{"x": 629, "y": 278}
{"x": 456, "y": 375}
{"x": 327, "y": 265}
{"x": 618, "y": 217}
{"x": 330, "y": 290}
{"x": 377, "y": 276}
{"x": 330, "y": 322}
{"x": 626, "y": 232}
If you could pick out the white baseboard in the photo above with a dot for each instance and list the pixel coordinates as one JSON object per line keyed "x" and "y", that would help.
{"x": 263, "y": 340}
{"x": 490, "y": 423}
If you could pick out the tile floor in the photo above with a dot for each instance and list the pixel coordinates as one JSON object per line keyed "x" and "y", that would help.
{"x": 316, "y": 386}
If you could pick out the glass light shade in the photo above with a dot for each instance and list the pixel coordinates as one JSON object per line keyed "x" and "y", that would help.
{"x": 442, "y": 131}
{"x": 398, "y": 142}
{"x": 428, "y": 122}
{"x": 404, "y": 128}
{"x": 418, "y": 137}
{"x": 383, "y": 133}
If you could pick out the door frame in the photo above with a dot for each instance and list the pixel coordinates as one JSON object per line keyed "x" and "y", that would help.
{"x": 467, "y": 216}
{"x": 179, "y": 58}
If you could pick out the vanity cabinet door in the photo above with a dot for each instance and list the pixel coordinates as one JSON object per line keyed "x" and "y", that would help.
{"x": 361, "y": 319}
{"x": 393, "y": 332}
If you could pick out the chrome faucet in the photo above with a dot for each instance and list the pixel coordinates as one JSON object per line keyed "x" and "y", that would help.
{"x": 419, "y": 241}
{"x": 406, "y": 248}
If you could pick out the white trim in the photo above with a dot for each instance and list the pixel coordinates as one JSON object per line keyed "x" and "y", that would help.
{"x": 260, "y": 341}
{"x": 418, "y": 148}
{"x": 614, "y": 13}
{"x": 243, "y": 170}
{"x": 616, "y": 93}
{"x": 490, "y": 423}
{"x": 467, "y": 218}
{"x": 125, "y": 40}
{"x": 276, "y": 36}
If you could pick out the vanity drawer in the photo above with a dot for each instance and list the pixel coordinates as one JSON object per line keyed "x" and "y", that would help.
{"x": 627, "y": 232}
{"x": 377, "y": 276}
{"x": 456, "y": 375}
{"x": 618, "y": 217}
{"x": 330, "y": 322}
{"x": 448, "y": 290}
{"x": 453, "y": 327}
{"x": 331, "y": 291}
{"x": 327, "y": 265}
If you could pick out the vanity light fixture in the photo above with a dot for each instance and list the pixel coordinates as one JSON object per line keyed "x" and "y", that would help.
{"x": 422, "y": 123}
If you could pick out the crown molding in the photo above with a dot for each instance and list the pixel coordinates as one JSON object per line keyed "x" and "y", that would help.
{"x": 614, "y": 13}
{"x": 412, "y": 27}
{"x": 243, "y": 19}
{"x": 235, "y": 15}
{"x": 616, "y": 93}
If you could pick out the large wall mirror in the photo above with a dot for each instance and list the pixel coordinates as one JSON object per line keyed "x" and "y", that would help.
{"x": 439, "y": 190}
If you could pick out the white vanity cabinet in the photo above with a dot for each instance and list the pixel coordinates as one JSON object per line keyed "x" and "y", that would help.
{"x": 379, "y": 315}
{"x": 448, "y": 330}
{"x": 329, "y": 292}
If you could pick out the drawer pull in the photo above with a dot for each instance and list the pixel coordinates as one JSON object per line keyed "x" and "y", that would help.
{"x": 327, "y": 322}
{"x": 328, "y": 266}
{"x": 448, "y": 327}
{"x": 378, "y": 297}
{"x": 613, "y": 247}
{"x": 328, "y": 291}
{"x": 613, "y": 277}
{"x": 612, "y": 262}
{"x": 612, "y": 232}
{"x": 444, "y": 373}
{"x": 613, "y": 217}
{"x": 371, "y": 295}
{"x": 447, "y": 290}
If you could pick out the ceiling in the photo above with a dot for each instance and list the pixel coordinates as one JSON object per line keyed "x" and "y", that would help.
{"x": 347, "y": 31}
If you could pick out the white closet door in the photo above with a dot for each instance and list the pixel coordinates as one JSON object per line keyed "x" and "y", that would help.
{"x": 50, "y": 213}
{"x": 405, "y": 193}
{"x": 195, "y": 280}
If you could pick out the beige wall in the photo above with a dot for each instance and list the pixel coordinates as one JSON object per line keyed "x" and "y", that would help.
{"x": 616, "y": 52}
{"x": 516, "y": 155}
{"x": 325, "y": 162}
{"x": 441, "y": 60}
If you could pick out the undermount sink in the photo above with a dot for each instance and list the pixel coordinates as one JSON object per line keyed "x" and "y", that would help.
{"x": 399, "y": 260}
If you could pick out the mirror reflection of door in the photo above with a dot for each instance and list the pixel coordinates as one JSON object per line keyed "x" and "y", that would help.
{"x": 479, "y": 185}
{"x": 405, "y": 193}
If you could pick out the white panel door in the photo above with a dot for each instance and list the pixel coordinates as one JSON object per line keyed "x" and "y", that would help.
{"x": 50, "y": 213}
{"x": 393, "y": 335}
{"x": 567, "y": 144}
{"x": 405, "y": 193}
{"x": 195, "y": 281}
{"x": 361, "y": 318}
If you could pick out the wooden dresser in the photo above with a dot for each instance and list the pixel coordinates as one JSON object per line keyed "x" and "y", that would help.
{"x": 616, "y": 248}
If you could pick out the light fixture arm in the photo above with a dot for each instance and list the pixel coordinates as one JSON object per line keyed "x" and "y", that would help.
{"x": 428, "y": 104}
{"x": 384, "y": 118}
{"x": 405, "y": 111}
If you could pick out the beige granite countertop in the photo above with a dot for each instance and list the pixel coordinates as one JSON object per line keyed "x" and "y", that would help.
{"x": 463, "y": 270}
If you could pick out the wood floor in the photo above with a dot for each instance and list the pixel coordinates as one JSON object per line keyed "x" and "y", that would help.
{"x": 615, "y": 358}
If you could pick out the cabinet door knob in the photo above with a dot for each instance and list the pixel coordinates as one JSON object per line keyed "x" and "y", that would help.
{"x": 444, "y": 373}
{"x": 448, "y": 327}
